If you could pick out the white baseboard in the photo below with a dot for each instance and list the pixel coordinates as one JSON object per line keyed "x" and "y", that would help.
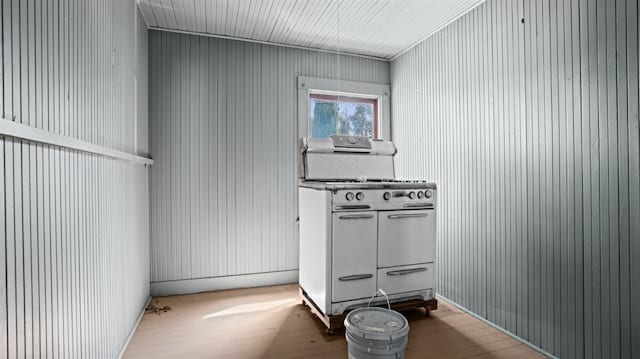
{"x": 189, "y": 286}
{"x": 133, "y": 330}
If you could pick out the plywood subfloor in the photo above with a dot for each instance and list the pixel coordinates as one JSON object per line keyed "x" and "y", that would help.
{"x": 271, "y": 322}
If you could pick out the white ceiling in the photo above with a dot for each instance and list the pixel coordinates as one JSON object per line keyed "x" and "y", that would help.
{"x": 383, "y": 28}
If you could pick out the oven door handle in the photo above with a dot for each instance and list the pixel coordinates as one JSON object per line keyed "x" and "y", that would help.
{"x": 419, "y": 205}
{"x": 354, "y": 206}
{"x": 355, "y": 277}
{"x": 408, "y": 215}
{"x": 407, "y": 271}
{"x": 357, "y": 216}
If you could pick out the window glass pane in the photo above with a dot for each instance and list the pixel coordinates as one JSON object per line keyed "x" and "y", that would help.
{"x": 330, "y": 117}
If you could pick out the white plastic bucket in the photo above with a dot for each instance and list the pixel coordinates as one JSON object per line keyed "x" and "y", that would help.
{"x": 376, "y": 333}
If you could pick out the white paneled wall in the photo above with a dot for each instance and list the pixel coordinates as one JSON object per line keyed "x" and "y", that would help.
{"x": 224, "y": 142}
{"x": 74, "y": 263}
{"x": 526, "y": 115}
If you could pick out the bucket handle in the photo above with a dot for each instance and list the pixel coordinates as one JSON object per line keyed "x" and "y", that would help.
{"x": 385, "y": 296}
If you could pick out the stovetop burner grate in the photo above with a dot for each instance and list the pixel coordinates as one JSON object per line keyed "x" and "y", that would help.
{"x": 372, "y": 181}
{"x": 397, "y": 184}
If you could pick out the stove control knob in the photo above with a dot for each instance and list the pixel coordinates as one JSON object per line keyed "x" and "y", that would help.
{"x": 349, "y": 196}
{"x": 428, "y": 193}
{"x": 359, "y": 196}
{"x": 386, "y": 196}
{"x": 412, "y": 195}
{"x": 420, "y": 195}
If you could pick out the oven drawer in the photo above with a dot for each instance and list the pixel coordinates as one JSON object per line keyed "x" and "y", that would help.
{"x": 406, "y": 237}
{"x": 354, "y": 248}
{"x": 407, "y": 278}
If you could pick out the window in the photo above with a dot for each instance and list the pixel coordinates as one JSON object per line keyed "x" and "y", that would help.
{"x": 331, "y": 114}
{"x": 327, "y": 107}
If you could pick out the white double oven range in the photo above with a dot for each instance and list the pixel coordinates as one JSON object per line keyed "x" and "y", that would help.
{"x": 361, "y": 229}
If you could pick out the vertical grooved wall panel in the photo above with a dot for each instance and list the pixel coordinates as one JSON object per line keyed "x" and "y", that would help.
{"x": 224, "y": 142}
{"x": 525, "y": 113}
{"x": 74, "y": 261}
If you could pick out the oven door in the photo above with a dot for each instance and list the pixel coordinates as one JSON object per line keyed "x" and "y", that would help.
{"x": 406, "y": 237}
{"x": 354, "y": 255}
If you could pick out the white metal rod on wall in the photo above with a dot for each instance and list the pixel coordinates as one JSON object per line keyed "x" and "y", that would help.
{"x": 12, "y": 129}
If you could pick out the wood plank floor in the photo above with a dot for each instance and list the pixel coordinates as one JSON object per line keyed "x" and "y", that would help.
{"x": 271, "y": 322}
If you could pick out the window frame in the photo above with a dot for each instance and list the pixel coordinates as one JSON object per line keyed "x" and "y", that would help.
{"x": 344, "y": 90}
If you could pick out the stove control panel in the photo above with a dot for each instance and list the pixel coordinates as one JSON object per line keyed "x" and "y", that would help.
{"x": 384, "y": 199}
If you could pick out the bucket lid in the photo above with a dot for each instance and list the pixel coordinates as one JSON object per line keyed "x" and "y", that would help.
{"x": 376, "y": 323}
